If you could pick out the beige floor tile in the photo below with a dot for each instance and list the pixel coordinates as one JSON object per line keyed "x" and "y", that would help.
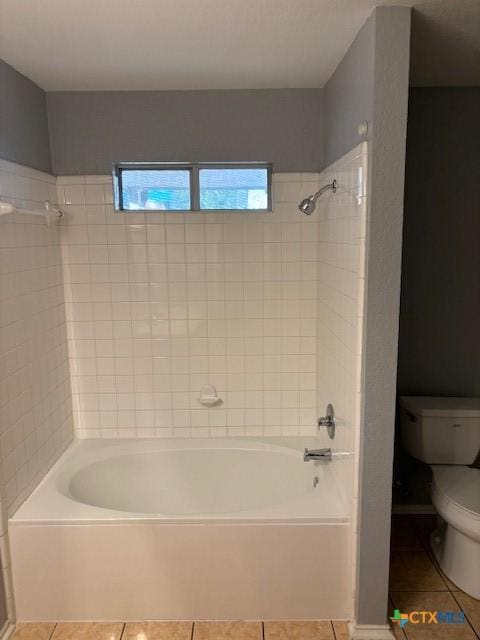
{"x": 33, "y": 631}
{"x": 341, "y": 630}
{"x": 451, "y": 586}
{"x": 431, "y": 601}
{"x": 88, "y": 631}
{"x": 157, "y": 631}
{"x": 298, "y": 630}
{"x": 227, "y": 631}
{"x": 471, "y": 608}
{"x": 412, "y": 570}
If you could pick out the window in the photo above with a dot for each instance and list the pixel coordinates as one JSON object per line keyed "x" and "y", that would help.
{"x": 192, "y": 187}
{"x": 164, "y": 189}
{"x": 233, "y": 188}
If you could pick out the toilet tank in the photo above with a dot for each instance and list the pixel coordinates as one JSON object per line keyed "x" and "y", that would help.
{"x": 440, "y": 430}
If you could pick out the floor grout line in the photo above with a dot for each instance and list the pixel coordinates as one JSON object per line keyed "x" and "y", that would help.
{"x": 193, "y": 629}
{"x": 53, "y": 631}
{"x": 123, "y": 630}
{"x": 334, "y": 635}
{"x": 465, "y": 614}
{"x": 263, "y": 630}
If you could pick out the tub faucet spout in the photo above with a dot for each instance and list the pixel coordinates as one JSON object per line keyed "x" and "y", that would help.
{"x": 317, "y": 454}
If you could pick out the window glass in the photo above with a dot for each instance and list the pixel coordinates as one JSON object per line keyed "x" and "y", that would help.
{"x": 157, "y": 189}
{"x": 233, "y": 188}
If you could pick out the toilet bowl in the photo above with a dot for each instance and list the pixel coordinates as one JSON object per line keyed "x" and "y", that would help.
{"x": 456, "y": 542}
{"x": 445, "y": 433}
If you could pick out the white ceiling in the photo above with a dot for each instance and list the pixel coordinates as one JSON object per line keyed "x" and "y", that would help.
{"x": 221, "y": 44}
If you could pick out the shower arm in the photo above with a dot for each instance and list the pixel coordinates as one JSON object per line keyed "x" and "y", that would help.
{"x": 326, "y": 187}
{"x": 308, "y": 205}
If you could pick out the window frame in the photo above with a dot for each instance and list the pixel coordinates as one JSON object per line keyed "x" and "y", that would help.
{"x": 194, "y": 172}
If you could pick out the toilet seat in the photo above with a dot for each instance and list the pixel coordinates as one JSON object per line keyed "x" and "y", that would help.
{"x": 456, "y": 497}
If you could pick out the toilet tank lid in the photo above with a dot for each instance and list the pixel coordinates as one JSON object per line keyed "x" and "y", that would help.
{"x": 441, "y": 407}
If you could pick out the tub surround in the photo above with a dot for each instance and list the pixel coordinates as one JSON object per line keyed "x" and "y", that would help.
{"x": 341, "y": 290}
{"x": 35, "y": 394}
{"x": 160, "y": 304}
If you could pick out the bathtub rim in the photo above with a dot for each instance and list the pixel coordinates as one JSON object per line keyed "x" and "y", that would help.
{"x": 50, "y": 505}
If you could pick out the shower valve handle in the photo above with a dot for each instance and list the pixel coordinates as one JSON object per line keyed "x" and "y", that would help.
{"x": 328, "y": 421}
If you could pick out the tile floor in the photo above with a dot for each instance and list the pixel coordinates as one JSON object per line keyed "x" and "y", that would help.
{"x": 304, "y": 630}
{"x": 418, "y": 584}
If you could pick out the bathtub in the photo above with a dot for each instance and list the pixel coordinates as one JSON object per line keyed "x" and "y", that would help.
{"x": 185, "y": 529}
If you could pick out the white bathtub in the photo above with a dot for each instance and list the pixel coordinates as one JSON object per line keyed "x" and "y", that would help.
{"x": 185, "y": 529}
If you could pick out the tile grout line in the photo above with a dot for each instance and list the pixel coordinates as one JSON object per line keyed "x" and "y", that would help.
{"x": 334, "y": 635}
{"x": 466, "y": 616}
{"x": 53, "y": 631}
{"x": 123, "y": 631}
{"x": 263, "y": 630}
{"x": 193, "y": 628}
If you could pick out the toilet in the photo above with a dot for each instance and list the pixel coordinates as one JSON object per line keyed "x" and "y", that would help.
{"x": 445, "y": 433}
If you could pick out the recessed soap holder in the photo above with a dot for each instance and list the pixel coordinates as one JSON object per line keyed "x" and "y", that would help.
{"x": 209, "y": 396}
{"x": 328, "y": 421}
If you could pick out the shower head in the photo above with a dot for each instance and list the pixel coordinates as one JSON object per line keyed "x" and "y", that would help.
{"x": 309, "y": 205}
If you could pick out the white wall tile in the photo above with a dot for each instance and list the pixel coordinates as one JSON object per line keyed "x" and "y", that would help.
{"x": 35, "y": 397}
{"x": 182, "y": 300}
{"x": 341, "y": 250}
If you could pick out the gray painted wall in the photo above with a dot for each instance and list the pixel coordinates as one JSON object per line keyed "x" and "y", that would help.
{"x": 387, "y": 138}
{"x": 371, "y": 83}
{"x": 348, "y": 96}
{"x": 23, "y": 120}
{"x": 439, "y": 349}
{"x": 91, "y": 130}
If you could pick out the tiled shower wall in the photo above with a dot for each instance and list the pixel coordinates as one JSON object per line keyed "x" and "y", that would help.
{"x": 341, "y": 288}
{"x": 36, "y": 422}
{"x": 160, "y": 304}
{"x": 35, "y": 398}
